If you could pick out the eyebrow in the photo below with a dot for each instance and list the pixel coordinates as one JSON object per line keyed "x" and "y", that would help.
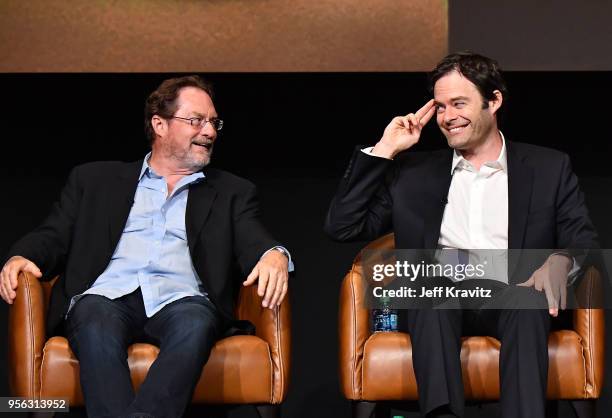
{"x": 454, "y": 99}
{"x": 200, "y": 115}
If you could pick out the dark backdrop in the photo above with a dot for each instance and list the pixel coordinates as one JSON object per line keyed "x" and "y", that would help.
{"x": 291, "y": 134}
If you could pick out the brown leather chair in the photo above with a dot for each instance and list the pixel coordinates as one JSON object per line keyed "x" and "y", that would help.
{"x": 378, "y": 367}
{"x": 242, "y": 369}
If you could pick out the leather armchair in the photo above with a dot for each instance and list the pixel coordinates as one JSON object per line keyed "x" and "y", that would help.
{"x": 378, "y": 366}
{"x": 242, "y": 369}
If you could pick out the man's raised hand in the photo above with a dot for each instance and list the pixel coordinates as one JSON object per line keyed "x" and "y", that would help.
{"x": 404, "y": 131}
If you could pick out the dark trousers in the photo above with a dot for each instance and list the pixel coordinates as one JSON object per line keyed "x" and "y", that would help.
{"x": 100, "y": 331}
{"x": 436, "y": 347}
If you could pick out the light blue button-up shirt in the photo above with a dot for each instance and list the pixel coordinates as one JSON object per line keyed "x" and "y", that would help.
{"x": 152, "y": 253}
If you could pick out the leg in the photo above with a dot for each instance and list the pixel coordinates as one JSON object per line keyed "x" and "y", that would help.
{"x": 268, "y": 411}
{"x": 99, "y": 332}
{"x": 584, "y": 408}
{"x": 363, "y": 409}
{"x": 185, "y": 331}
{"x": 523, "y": 358}
{"x": 436, "y": 350}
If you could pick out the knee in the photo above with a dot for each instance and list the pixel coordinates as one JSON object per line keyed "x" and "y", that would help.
{"x": 90, "y": 308}
{"x": 93, "y": 326}
{"x": 528, "y": 321}
{"x": 194, "y": 328}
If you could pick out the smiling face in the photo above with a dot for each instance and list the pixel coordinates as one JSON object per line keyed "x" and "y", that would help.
{"x": 460, "y": 113}
{"x": 180, "y": 145}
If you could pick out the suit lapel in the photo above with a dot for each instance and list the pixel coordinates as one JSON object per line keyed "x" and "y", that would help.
{"x": 200, "y": 200}
{"x": 439, "y": 183}
{"x": 124, "y": 188}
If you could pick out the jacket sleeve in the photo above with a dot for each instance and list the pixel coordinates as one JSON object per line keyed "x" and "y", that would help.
{"x": 251, "y": 239}
{"x": 48, "y": 245}
{"x": 574, "y": 227}
{"x": 361, "y": 208}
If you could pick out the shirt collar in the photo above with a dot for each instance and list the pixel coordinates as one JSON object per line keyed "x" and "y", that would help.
{"x": 146, "y": 168}
{"x": 501, "y": 162}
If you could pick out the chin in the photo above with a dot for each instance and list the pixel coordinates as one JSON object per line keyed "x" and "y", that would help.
{"x": 198, "y": 162}
{"x": 197, "y": 165}
{"x": 460, "y": 142}
{"x": 454, "y": 143}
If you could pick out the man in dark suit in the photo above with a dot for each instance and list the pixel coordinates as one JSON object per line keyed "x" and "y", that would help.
{"x": 149, "y": 250}
{"x": 484, "y": 193}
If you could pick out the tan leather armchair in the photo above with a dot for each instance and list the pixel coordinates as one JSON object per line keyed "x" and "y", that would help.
{"x": 242, "y": 369}
{"x": 378, "y": 367}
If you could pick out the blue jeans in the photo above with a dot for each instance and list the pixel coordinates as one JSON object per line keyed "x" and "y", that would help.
{"x": 100, "y": 330}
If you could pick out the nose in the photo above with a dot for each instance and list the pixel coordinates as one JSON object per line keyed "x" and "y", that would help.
{"x": 208, "y": 131}
{"x": 449, "y": 115}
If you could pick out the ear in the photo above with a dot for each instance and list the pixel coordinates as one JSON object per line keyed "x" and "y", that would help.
{"x": 496, "y": 103}
{"x": 160, "y": 125}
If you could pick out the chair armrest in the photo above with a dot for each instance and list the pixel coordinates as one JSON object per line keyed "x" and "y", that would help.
{"x": 354, "y": 322}
{"x": 354, "y": 330}
{"x": 589, "y": 324}
{"x": 274, "y": 327}
{"x": 26, "y": 332}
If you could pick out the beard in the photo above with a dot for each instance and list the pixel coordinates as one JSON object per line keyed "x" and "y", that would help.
{"x": 196, "y": 162}
{"x": 191, "y": 158}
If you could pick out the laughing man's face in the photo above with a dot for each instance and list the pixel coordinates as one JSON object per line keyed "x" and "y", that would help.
{"x": 460, "y": 113}
{"x": 190, "y": 147}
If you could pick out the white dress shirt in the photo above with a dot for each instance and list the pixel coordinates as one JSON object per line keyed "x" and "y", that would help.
{"x": 476, "y": 215}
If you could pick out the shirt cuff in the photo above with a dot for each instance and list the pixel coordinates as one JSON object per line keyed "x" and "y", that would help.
{"x": 368, "y": 151}
{"x": 286, "y": 252}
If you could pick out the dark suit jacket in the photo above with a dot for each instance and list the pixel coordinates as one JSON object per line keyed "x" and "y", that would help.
{"x": 79, "y": 236}
{"x": 408, "y": 195}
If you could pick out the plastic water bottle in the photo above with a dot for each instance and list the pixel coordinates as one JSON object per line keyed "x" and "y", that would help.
{"x": 384, "y": 318}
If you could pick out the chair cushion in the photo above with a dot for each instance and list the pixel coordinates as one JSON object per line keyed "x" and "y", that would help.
{"x": 387, "y": 372}
{"x": 239, "y": 370}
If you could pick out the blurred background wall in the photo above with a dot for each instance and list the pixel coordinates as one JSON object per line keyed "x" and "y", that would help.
{"x": 222, "y": 35}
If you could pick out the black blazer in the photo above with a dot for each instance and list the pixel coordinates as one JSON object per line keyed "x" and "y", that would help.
{"x": 408, "y": 195}
{"x": 79, "y": 236}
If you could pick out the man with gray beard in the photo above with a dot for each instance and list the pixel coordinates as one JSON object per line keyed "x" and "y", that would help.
{"x": 148, "y": 251}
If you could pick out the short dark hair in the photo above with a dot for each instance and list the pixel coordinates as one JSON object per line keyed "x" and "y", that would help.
{"x": 484, "y": 72}
{"x": 162, "y": 101}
